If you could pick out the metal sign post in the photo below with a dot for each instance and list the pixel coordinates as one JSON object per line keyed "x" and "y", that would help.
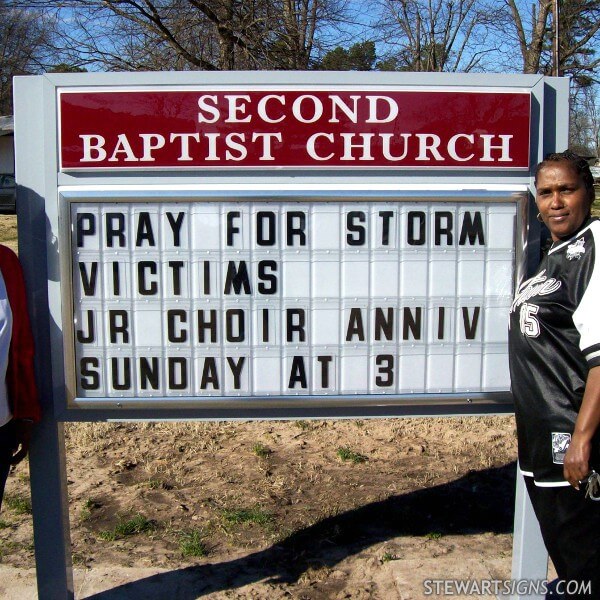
{"x": 304, "y": 246}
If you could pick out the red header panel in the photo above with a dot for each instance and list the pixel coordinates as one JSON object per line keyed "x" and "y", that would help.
{"x": 233, "y": 129}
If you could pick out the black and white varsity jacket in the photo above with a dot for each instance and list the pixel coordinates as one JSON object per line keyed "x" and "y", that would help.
{"x": 554, "y": 340}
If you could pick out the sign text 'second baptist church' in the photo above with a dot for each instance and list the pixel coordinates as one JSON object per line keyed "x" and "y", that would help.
{"x": 293, "y": 128}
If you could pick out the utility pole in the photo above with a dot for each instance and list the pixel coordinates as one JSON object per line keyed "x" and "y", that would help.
{"x": 555, "y": 39}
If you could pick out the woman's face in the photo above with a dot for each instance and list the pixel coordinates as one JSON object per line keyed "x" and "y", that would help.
{"x": 562, "y": 199}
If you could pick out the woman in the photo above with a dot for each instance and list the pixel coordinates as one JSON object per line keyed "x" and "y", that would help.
{"x": 19, "y": 407}
{"x": 554, "y": 351}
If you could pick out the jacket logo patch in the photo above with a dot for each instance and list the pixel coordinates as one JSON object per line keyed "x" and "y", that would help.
{"x": 539, "y": 285}
{"x": 576, "y": 250}
{"x": 560, "y": 443}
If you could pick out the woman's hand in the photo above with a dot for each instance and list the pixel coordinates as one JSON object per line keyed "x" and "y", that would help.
{"x": 23, "y": 437}
{"x": 576, "y": 465}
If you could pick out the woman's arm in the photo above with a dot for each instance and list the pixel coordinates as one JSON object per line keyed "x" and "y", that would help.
{"x": 576, "y": 466}
{"x": 20, "y": 377}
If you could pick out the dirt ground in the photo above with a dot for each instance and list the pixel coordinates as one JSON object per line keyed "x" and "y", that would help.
{"x": 299, "y": 509}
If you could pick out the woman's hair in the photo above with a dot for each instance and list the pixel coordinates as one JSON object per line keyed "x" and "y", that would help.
{"x": 579, "y": 164}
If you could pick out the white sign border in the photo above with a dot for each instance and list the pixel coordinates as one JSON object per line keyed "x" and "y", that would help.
{"x": 221, "y": 88}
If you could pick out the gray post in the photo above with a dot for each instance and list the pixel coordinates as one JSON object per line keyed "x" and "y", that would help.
{"x": 50, "y": 513}
{"x": 530, "y": 558}
{"x": 36, "y": 139}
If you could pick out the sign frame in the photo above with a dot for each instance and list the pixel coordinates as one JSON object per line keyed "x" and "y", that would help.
{"x": 39, "y": 179}
{"x": 308, "y": 404}
{"x": 39, "y": 194}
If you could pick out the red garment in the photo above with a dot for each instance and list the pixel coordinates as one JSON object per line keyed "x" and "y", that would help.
{"x": 20, "y": 377}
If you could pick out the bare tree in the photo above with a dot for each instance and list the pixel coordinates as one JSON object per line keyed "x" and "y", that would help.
{"x": 579, "y": 27}
{"x": 24, "y": 46}
{"x": 530, "y": 25}
{"x": 532, "y": 31}
{"x": 435, "y": 35}
{"x": 199, "y": 34}
{"x": 297, "y": 31}
{"x": 584, "y": 131}
{"x": 142, "y": 35}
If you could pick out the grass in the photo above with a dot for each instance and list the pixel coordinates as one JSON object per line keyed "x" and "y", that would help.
{"x": 191, "y": 544}
{"x": 4, "y": 525}
{"x": 348, "y": 455}
{"x": 388, "y": 557}
{"x": 137, "y": 524}
{"x": 434, "y": 535}
{"x": 8, "y": 547}
{"x": 86, "y": 509}
{"x": 242, "y": 516}
{"x": 21, "y": 505}
{"x": 79, "y": 559}
{"x": 261, "y": 450}
{"x": 158, "y": 484}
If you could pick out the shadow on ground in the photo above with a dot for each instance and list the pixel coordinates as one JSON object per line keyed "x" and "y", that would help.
{"x": 481, "y": 501}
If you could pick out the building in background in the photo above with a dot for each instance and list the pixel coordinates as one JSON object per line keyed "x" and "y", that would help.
{"x": 7, "y": 165}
